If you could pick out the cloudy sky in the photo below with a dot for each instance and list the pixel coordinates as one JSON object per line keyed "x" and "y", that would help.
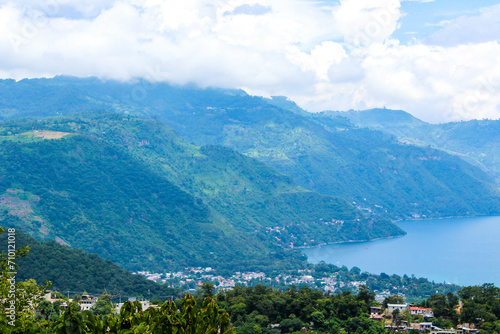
{"x": 439, "y": 60}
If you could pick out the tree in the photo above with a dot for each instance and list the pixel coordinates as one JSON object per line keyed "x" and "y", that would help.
{"x": 208, "y": 289}
{"x": 291, "y": 324}
{"x": 366, "y": 295}
{"x": 363, "y": 325}
{"x": 156, "y": 302}
{"x": 47, "y": 310}
{"x": 103, "y": 306}
{"x": 21, "y": 298}
{"x": 396, "y": 317}
{"x": 355, "y": 271}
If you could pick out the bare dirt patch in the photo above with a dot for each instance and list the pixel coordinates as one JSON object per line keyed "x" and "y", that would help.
{"x": 61, "y": 241}
{"x": 50, "y": 134}
{"x": 16, "y": 206}
{"x": 19, "y": 205}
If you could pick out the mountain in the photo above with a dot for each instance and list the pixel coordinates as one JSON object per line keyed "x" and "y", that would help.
{"x": 134, "y": 192}
{"x": 379, "y": 119}
{"x": 476, "y": 141}
{"x": 327, "y": 155}
{"x": 74, "y": 271}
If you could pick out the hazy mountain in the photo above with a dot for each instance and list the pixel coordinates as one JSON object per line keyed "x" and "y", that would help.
{"x": 476, "y": 141}
{"x": 325, "y": 154}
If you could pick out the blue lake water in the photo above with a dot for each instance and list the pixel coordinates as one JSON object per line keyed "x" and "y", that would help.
{"x": 464, "y": 251}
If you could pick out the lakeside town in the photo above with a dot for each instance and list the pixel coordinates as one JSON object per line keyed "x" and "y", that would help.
{"x": 192, "y": 278}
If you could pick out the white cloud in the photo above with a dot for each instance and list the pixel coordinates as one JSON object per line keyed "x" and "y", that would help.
{"x": 435, "y": 83}
{"x": 338, "y": 57}
{"x": 421, "y": 1}
{"x": 363, "y": 22}
{"x": 469, "y": 29}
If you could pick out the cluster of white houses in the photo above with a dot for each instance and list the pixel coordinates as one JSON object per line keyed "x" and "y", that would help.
{"x": 89, "y": 301}
{"x": 86, "y": 302}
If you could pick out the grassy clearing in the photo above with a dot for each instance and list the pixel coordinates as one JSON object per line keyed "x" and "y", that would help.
{"x": 36, "y": 135}
{"x": 50, "y": 134}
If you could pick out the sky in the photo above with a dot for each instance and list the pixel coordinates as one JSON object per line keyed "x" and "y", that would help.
{"x": 438, "y": 60}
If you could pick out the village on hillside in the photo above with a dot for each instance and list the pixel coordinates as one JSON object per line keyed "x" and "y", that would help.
{"x": 396, "y": 317}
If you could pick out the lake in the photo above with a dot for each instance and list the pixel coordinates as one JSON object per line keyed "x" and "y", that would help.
{"x": 465, "y": 251}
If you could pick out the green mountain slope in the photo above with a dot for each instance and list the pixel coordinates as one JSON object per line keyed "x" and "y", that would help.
{"x": 92, "y": 196}
{"x": 76, "y": 271}
{"x": 320, "y": 153}
{"x": 132, "y": 191}
{"x": 476, "y": 141}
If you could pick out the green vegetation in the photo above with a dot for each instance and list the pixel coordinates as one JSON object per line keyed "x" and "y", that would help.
{"x": 478, "y": 306}
{"x": 85, "y": 186}
{"x": 481, "y": 305}
{"x": 133, "y": 191}
{"x": 474, "y": 141}
{"x": 320, "y": 153}
{"x": 414, "y": 288}
{"x": 256, "y": 309}
{"x": 188, "y": 318}
{"x": 73, "y": 270}
{"x": 137, "y": 194}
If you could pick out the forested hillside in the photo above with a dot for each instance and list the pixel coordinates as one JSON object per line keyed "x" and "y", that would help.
{"x": 324, "y": 154}
{"x": 132, "y": 191}
{"x": 76, "y": 271}
{"x": 476, "y": 141}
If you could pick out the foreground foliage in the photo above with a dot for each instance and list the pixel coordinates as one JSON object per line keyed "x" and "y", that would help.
{"x": 74, "y": 271}
{"x": 189, "y": 318}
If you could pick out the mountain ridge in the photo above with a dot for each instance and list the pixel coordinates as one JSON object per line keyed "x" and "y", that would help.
{"x": 476, "y": 141}
{"x": 116, "y": 177}
{"x": 329, "y": 155}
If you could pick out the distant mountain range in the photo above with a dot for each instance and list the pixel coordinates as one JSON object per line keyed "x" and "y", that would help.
{"x": 155, "y": 175}
{"x": 328, "y": 155}
{"x": 476, "y": 141}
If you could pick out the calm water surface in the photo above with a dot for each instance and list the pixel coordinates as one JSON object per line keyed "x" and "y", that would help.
{"x": 464, "y": 251}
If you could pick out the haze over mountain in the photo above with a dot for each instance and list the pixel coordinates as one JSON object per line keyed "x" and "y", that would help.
{"x": 435, "y": 59}
{"x": 476, "y": 141}
{"x": 328, "y": 155}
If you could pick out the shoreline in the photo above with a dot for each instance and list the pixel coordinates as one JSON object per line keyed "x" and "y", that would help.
{"x": 436, "y": 218}
{"x": 349, "y": 242}
{"x": 458, "y": 269}
{"x": 391, "y": 237}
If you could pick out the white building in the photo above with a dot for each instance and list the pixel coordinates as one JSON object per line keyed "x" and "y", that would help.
{"x": 392, "y": 307}
{"x": 87, "y": 302}
{"x": 144, "y": 304}
{"x": 426, "y": 312}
